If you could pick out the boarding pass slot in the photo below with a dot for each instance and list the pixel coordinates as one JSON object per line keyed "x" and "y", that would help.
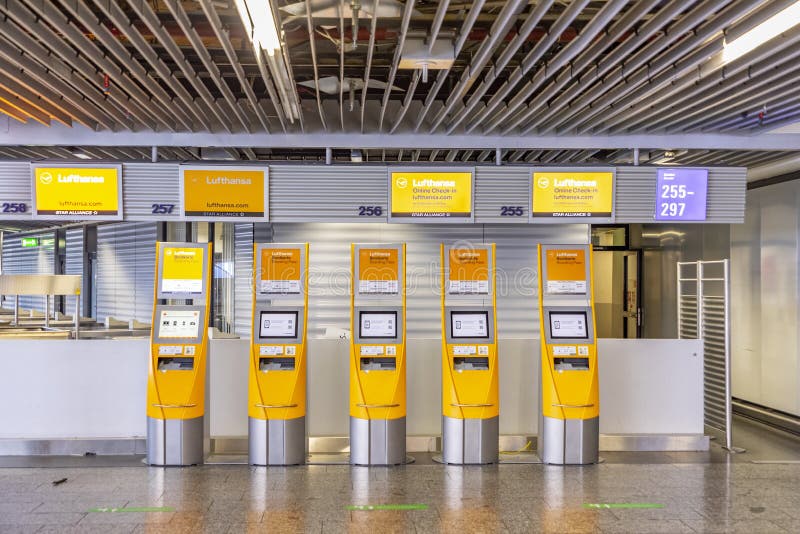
{"x": 175, "y": 364}
{"x": 571, "y": 364}
{"x": 470, "y": 364}
{"x": 276, "y": 364}
{"x": 378, "y": 364}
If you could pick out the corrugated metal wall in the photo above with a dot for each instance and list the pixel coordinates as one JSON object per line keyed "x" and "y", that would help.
{"x": 316, "y": 193}
{"x": 33, "y": 260}
{"x": 329, "y": 265}
{"x": 126, "y": 255}
{"x": 74, "y": 256}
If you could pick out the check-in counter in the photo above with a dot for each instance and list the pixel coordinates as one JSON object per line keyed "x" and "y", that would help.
{"x": 66, "y": 392}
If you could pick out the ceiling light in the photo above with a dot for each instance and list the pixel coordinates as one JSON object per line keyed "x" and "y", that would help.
{"x": 257, "y": 18}
{"x": 772, "y": 27}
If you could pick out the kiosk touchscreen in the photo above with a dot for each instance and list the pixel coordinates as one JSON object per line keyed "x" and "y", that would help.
{"x": 178, "y": 348}
{"x": 470, "y": 397}
{"x": 277, "y": 377}
{"x": 377, "y": 355}
{"x": 569, "y": 426}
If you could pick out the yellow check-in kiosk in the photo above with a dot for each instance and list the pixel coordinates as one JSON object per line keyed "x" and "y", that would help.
{"x": 176, "y": 381}
{"x": 470, "y": 397}
{"x": 378, "y": 354}
{"x": 569, "y": 427}
{"x": 277, "y": 377}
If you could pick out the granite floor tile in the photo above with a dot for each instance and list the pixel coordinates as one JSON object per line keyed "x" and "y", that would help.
{"x": 752, "y": 526}
{"x": 20, "y": 529}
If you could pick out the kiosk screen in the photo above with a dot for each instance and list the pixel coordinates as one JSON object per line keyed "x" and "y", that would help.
{"x": 377, "y": 325}
{"x": 568, "y": 325}
{"x": 275, "y": 324}
{"x": 469, "y": 324}
{"x": 179, "y": 324}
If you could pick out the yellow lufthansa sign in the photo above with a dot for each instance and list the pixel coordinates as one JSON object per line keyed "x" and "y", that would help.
{"x": 182, "y": 270}
{"x": 84, "y": 192}
{"x": 431, "y": 195}
{"x": 572, "y": 194}
{"x": 224, "y": 192}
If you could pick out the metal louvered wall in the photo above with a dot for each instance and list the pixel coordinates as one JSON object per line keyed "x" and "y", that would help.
{"x": 126, "y": 255}
{"x": 316, "y": 193}
{"x": 635, "y": 195}
{"x": 329, "y": 266}
{"x": 33, "y": 260}
{"x": 74, "y": 257}
{"x": 145, "y": 184}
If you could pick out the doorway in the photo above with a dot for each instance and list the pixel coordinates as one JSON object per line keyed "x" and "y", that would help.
{"x": 617, "y": 275}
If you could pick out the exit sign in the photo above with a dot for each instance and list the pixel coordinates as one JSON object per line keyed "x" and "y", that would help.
{"x": 28, "y": 242}
{"x": 681, "y": 194}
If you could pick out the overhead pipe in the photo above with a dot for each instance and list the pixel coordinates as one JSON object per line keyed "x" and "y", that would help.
{"x": 125, "y": 92}
{"x": 341, "y": 66}
{"x": 151, "y": 20}
{"x": 406, "y": 20}
{"x": 283, "y": 73}
{"x": 505, "y": 19}
{"x": 664, "y": 68}
{"x": 224, "y": 39}
{"x": 177, "y": 12}
{"x": 775, "y": 121}
{"x": 586, "y": 58}
{"x": 310, "y": 24}
{"x": 784, "y": 100}
{"x": 80, "y": 12}
{"x": 438, "y": 18}
{"x": 368, "y": 66}
{"x": 474, "y": 12}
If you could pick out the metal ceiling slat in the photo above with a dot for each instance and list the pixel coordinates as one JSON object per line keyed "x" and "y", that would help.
{"x": 81, "y": 12}
{"x": 145, "y": 12}
{"x": 136, "y": 102}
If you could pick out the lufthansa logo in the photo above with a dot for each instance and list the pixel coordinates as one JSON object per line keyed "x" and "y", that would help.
{"x": 46, "y": 178}
{"x": 402, "y": 183}
{"x": 543, "y": 183}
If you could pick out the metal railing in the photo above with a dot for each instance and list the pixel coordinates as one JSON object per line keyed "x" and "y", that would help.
{"x": 704, "y": 313}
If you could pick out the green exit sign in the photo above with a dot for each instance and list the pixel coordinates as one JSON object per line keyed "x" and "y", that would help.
{"x": 28, "y": 242}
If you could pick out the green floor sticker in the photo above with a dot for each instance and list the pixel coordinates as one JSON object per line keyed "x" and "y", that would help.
{"x": 141, "y": 509}
{"x": 641, "y": 505}
{"x": 371, "y": 507}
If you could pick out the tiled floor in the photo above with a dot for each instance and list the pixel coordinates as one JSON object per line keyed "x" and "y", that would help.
{"x": 709, "y": 495}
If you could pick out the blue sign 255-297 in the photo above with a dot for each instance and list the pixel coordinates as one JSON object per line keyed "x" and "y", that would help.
{"x": 681, "y": 194}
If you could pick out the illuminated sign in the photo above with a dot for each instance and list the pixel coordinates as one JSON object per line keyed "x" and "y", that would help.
{"x": 430, "y": 196}
{"x": 215, "y": 192}
{"x": 182, "y": 270}
{"x": 681, "y": 194}
{"x": 378, "y": 271}
{"x": 77, "y": 192}
{"x": 280, "y": 271}
{"x": 574, "y": 194}
{"x": 29, "y": 242}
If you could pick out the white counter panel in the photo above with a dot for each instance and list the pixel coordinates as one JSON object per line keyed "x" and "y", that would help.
{"x": 96, "y": 389}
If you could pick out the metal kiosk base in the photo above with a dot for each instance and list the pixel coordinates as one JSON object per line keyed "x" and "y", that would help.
{"x": 569, "y": 441}
{"x": 470, "y": 441}
{"x": 277, "y": 441}
{"x": 175, "y": 442}
{"x": 377, "y": 441}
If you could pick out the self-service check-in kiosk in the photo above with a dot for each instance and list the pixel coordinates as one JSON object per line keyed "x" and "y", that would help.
{"x": 378, "y": 354}
{"x": 277, "y": 379}
{"x": 178, "y": 346}
{"x": 569, "y": 427}
{"x": 470, "y": 399}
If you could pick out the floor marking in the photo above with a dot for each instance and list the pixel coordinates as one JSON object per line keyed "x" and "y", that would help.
{"x": 134, "y": 509}
{"x": 775, "y": 461}
{"x": 639, "y": 505}
{"x": 372, "y": 507}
